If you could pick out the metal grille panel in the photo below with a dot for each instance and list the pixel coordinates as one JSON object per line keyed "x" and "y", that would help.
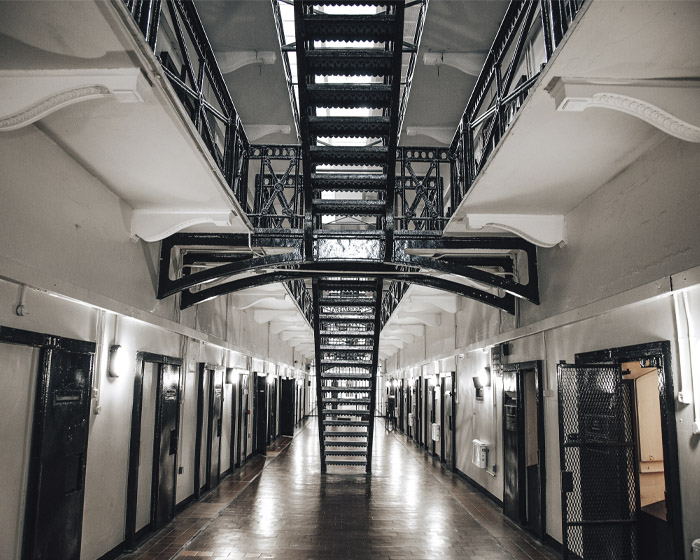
{"x": 599, "y": 504}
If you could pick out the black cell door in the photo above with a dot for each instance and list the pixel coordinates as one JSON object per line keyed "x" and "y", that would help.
{"x": 272, "y": 421}
{"x": 166, "y": 444}
{"x": 287, "y": 407}
{"x": 244, "y": 413}
{"x": 216, "y": 403}
{"x": 57, "y": 474}
{"x": 513, "y": 448}
{"x": 261, "y": 414}
{"x": 599, "y": 505}
{"x": 448, "y": 421}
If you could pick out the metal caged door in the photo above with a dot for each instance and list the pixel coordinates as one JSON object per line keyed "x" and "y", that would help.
{"x": 598, "y": 479}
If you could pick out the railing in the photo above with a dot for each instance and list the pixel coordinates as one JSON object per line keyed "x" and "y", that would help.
{"x": 274, "y": 192}
{"x": 392, "y": 298}
{"x": 419, "y": 194}
{"x": 174, "y": 32}
{"x": 523, "y": 45}
{"x": 287, "y": 49}
{"x": 302, "y": 295}
{"x": 422, "y": 6}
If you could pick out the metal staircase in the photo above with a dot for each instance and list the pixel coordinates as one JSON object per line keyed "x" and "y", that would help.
{"x": 349, "y": 67}
{"x": 347, "y": 213}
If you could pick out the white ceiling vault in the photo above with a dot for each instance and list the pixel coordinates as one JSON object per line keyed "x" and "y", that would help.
{"x": 454, "y": 29}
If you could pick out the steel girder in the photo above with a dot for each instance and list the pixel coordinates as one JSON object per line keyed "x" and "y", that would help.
{"x": 227, "y": 258}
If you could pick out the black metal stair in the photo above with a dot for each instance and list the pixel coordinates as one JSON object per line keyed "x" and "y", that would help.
{"x": 349, "y": 174}
{"x": 350, "y": 127}
{"x": 351, "y": 96}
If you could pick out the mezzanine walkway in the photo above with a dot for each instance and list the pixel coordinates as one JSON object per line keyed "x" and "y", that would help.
{"x": 283, "y": 507}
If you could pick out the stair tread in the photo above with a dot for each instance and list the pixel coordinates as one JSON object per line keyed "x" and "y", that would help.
{"x": 344, "y": 434}
{"x": 358, "y": 423}
{"x": 351, "y": 96}
{"x": 349, "y": 62}
{"x": 346, "y": 401}
{"x": 325, "y": 375}
{"x": 336, "y": 127}
{"x": 346, "y": 463}
{"x": 348, "y": 182}
{"x": 346, "y": 27}
{"x": 331, "y": 347}
{"x": 350, "y": 207}
{"x": 334, "y": 443}
{"x": 332, "y": 334}
{"x": 347, "y": 389}
{"x": 344, "y": 453}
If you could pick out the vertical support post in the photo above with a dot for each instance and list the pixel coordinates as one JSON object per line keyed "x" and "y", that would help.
{"x": 394, "y": 108}
{"x": 375, "y": 365}
{"x": 317, "y": 350}
{"x": 546, "y": 15}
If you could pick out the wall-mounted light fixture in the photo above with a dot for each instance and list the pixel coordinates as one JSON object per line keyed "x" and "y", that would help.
{"x": 485, "y": 377}
{"x": 270, "y": 379}
{"x": 117, "y": 360}
{"x": 479, "y": 387}
{"x": 233, "y": 376}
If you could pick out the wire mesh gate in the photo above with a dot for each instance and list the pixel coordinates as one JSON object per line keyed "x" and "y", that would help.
{"x": 598, "y": 476}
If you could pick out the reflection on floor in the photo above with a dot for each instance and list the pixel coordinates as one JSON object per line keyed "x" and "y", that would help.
{"x": 282, "y": 507}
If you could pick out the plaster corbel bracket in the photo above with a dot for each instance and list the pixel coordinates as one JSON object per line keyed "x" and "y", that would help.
{"x": 244, "y": 301}
{"x": 154, "y": 225}
{"x": 257, "y": 131}
{"x": 672, "y": 106}
{"x": 541, "y": 230}
{"x": 468, "y": 62}
{"x": 428, "y": 319}
{"x": 274, "y": 315}
{"x": 445, "y": 302}
{"x": 32, "y": 95}
{"x": 230, "y": 61}
{"x": 442, "y": 134}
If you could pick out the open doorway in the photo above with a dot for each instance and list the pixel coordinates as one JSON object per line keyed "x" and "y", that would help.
{"x": 646, "y": 370}
{"x": 153, "y": 455}
{"x": 523, "y": 446}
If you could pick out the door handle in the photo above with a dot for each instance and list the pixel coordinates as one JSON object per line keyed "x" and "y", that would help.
{"x": 567, "y": 481}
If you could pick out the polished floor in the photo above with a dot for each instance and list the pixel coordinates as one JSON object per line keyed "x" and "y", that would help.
{"x": 282, "y": 507}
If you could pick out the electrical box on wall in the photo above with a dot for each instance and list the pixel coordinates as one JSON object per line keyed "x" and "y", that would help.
{"x": 480, "y": 454}
{"x": 436, "y": 432}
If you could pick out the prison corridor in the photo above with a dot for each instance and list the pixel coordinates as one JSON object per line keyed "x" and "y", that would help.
{"x": 280, "y": 506}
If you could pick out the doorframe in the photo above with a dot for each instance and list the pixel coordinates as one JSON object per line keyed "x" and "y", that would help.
{"x": 44, "y": 342}
{"x": 660, "y": 352}
{"x": 130, "y": 535}
{"x": 453, "y": 377}
{"x": 234, "y": 418}
{"x": 214, "y": 428}
{"x": 201, "y": 369}
{"x": 537, "y": 365}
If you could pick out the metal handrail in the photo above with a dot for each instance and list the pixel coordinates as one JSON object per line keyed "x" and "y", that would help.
{"x": 200, "y": 85}
{"x": 556, "y": 17}
{"x": 284, "y": 50}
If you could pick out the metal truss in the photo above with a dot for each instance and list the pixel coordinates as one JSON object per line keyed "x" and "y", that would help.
{"x": 479, "y": 268}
